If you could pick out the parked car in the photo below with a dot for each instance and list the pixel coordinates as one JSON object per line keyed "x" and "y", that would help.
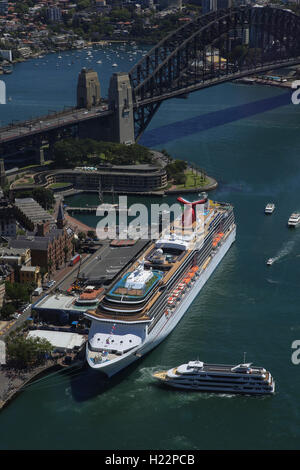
{"x": 37, "y": 291}
{"x": 51, "y": 283}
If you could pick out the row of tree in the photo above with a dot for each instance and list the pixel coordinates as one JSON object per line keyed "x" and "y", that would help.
{"x": 43, "y": 196}
{"x": 175, "y": 171}
{"x": 72, "y": 152}
{"x": 15, "y": 295}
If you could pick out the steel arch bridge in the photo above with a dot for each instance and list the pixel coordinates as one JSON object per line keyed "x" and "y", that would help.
{"x": 203, "y": 53}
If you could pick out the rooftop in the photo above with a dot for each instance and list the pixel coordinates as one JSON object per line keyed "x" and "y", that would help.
{"x": 33, "y": 210}
{"x": 59, "y": 339}
{"x": 35, "y": 242}
{"x": 31, "y": 269}
{"x": 60, "y": 302}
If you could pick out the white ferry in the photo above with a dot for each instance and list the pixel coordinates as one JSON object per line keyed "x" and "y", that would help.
{"x": 294, "y": 219}
{"x": 270, "y": 207}
{"x": 220, "y": 378}
{"x": 149, "y": 298}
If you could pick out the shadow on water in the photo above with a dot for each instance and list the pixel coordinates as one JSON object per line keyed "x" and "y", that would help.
{"x": 90, "y": 383}
{"x": 235, "y": 187}
{"x": 180, "y": 129}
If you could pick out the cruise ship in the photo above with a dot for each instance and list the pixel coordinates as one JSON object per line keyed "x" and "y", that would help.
{"x": 220, "y": 378}
{"x": 148, "y": 299}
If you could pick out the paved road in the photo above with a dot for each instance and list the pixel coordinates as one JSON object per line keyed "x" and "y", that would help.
{"x": 64, "y": 283}
{"x": 50, "y": 122}
{"x": 112, "y": 261}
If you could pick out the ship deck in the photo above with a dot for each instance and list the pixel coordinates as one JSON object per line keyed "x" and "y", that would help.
{"x": 172, "y": 268}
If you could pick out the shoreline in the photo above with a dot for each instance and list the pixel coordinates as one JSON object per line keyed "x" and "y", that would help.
{"x": 88, "y": 44}
{"x": 10, "y": 388}
{"x": 13, "y": 381}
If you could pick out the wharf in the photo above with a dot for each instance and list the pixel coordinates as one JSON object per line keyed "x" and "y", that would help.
{"x": 13, "y": 381}
{"x": 91, "y": 209}
{"x": 262, "y": 81}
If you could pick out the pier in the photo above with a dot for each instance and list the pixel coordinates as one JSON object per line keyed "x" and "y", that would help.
{"x": 92, "y": 209}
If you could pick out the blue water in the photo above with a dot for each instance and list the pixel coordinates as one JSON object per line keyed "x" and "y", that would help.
{"x": 38, "y": 86}
{"x": 253, "y": 151}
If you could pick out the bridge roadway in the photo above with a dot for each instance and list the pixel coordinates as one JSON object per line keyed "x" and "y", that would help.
{"x": 208, "y": 82}
{"x": 63, "y": 119}
{"x": 40, "y": 125}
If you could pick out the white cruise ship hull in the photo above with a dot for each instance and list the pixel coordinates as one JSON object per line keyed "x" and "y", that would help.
{"x": 166, "y": 323}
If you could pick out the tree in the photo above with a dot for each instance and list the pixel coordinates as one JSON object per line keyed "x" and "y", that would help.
{"x": 75, "y": 243}
{"x": 179, "y": 178}
{"x": 43, "y": 196}
{"x": 81, "y": 236}
{"x": 66, "y": 251}
{"x": 23, "y": 352}
{"x": 68, "y": 153}
{"x": 50, "y": 265}
{"x": 17, "y": 292}
{"x": 175, "y": 170}
{"x": 7, "y": 310}
{"x": 91, "y": 233}
{"x": 43, "y": 272}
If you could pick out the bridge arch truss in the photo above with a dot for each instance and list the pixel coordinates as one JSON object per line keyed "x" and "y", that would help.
{"x": 202, "y": 53}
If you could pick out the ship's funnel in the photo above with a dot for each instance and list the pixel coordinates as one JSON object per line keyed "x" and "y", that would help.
{"x": 189, "y": 214}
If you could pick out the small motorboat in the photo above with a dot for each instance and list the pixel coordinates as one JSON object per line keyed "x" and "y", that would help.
{"x": 294, "y": 219}
{"x": 270, "y": 261}
{"x": 270, "y": 207}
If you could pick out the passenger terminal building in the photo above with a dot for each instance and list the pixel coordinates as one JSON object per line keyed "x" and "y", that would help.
{"x": 127, "y": 178}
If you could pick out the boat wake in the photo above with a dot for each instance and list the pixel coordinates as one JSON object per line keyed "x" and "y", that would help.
{"x": 285, "y": 250}
{"x": 271, "y": 281}
{"x": 147, "y": 372}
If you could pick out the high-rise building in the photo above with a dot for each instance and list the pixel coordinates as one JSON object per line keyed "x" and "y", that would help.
{"x": 213, "y": 5}
{"x": 8, "y": 224}
{"x": 53, "y": 15}
{"x": 3, "y": 7}
{"x": 2, "y": 173}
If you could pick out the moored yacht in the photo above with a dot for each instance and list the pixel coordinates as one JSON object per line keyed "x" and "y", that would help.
{"x": 294, "y": 219}
{"x": 220, "y": 378}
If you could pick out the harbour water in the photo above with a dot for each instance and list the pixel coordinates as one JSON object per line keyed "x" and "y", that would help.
{"x": 246, "y": 306}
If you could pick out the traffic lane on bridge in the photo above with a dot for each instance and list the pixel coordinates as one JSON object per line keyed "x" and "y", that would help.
{"x": 50, "y": 124}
